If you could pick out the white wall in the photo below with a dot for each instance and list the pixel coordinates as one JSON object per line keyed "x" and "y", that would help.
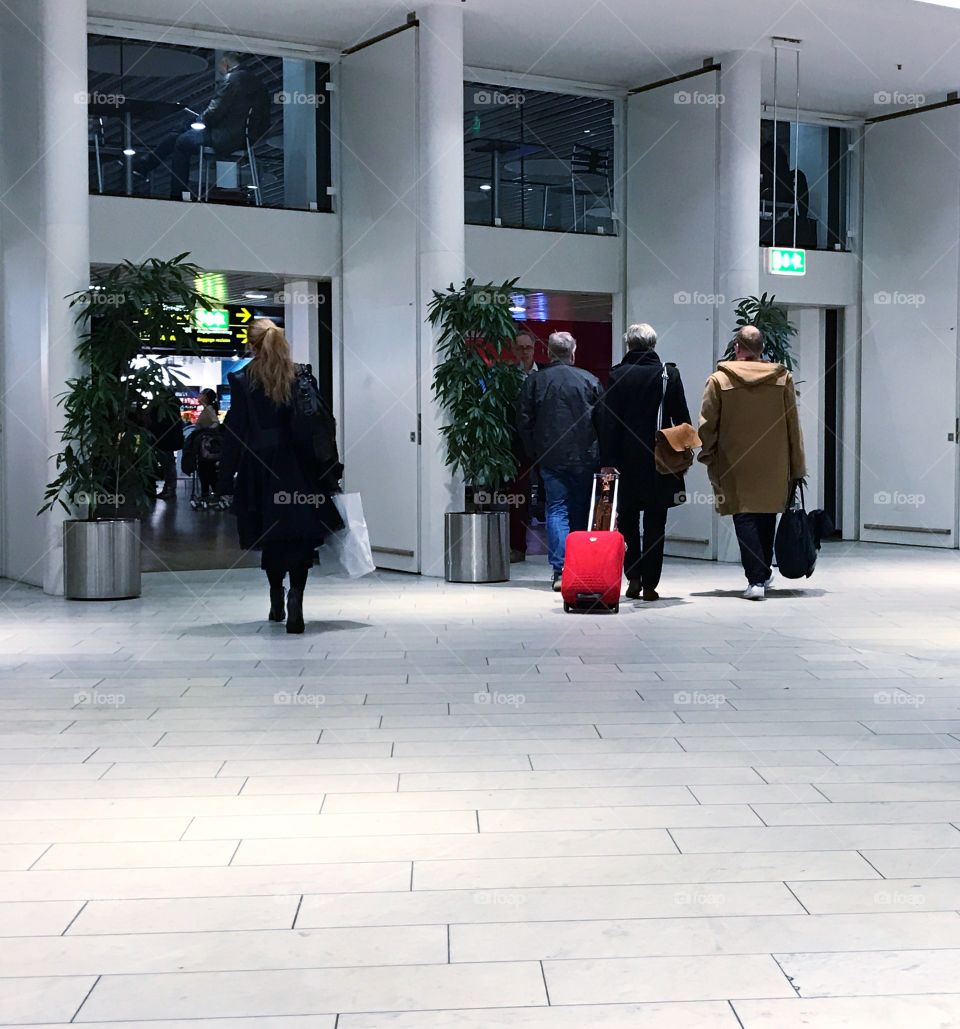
{"x": 911, "y": 233}
{"x": 671, "y": 210}
{"x": 562, "y": 261}
{"x": 832, "y": 280}
{"x": 297, "y": 244}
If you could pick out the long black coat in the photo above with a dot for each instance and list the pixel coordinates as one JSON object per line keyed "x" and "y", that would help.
{"x": 280, "y": 493}
{"x": 626, "y": 420}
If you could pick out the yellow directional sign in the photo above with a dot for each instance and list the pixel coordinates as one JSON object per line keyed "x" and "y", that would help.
{"x": 244, "y": 315}
{"x": 241, "y": 336}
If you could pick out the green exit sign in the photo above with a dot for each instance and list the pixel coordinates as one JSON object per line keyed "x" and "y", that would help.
{"x": 784, "y": 261}
{"x": 217, "y": 320}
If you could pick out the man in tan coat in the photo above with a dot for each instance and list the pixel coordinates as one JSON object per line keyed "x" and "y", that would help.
{"x": 753, "y": 449}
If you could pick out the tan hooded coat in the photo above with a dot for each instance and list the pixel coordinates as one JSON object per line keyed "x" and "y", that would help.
{"x": 750, "y": 429}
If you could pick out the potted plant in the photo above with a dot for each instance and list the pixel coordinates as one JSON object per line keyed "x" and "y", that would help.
{"x": 107, "y": 464}
{"x": 477, "y": 383}
{"x": 772, "y": 320}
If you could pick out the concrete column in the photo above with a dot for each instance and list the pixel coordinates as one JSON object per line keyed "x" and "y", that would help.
{"x": 441, "y": 245}
{"x": 738, "y": 211}
{"x": 300, "y": 320}
{"x": 44, "y": 235}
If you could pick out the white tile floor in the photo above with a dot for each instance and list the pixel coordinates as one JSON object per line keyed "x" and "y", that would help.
{"x": 458, "y": 807}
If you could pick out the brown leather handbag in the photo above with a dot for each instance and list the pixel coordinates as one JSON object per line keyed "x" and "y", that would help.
{"x": 673, "y": 450}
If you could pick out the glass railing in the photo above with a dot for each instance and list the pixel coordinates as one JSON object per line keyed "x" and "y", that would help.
{"x": 538, "y": 160}
{"x": 803, "y": 185}
{"x": 196, "y": 124}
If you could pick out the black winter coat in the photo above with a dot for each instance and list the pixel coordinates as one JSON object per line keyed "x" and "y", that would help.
{"x": 626, "y": 420}
{"x": 239, "y": 92}
{"x": 280, "y": 493}
{"x": 555, "y": 416}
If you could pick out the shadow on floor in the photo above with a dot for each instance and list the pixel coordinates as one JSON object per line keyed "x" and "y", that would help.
{"x": 222, "y": 630}
{"x": 774, "y": 594}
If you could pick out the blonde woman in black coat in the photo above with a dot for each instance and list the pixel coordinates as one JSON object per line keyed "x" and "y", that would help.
{"x": 282, "y": 495}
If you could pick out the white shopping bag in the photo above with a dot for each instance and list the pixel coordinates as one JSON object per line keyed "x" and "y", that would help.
{"x": 347, "y": 552}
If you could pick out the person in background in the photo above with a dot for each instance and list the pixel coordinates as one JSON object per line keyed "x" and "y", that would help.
{"x": 209, "y": 416}
{"x": 556, "y": 427}
{"x": 626, "y": 419}
{"x": 207, "y": 419}
{"x": 753, "y": 450}
{"x": 167, "y": 430}
{"x": 524, "y": 346}
{"x": 239, "y": 94}
{"x": 282, "y": 498}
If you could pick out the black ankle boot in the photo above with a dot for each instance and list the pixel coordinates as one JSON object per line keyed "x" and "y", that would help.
{"x": 277, "y": 613}
{"x": 295, "y": 611}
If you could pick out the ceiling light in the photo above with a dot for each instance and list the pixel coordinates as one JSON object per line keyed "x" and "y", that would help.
{"x": 486, "y": 186}
{"x": 129, "y": 152}
{"x": 255, "y": 294}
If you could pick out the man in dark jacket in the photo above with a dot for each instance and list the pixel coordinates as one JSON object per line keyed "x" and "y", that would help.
{"x": 165, "y": 423}
{"x": 627, "y": 424}
{"x": 556, "y": 428}
{"x": 239, "y": 94}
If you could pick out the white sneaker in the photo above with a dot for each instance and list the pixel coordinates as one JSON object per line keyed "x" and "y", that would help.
{"x": 769, "y": 582}
{"x": 754, "y": 593}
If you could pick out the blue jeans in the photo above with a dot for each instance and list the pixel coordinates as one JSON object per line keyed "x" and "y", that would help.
{"x": 568, "y": 507}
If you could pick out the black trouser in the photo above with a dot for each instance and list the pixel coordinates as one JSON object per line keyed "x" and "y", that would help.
{"x": 207, "y": 474}
{"x": 282, "y": 557}
{"x": 179, "y": 147}
{"x": 755, "y": 534}
{"x": 644, "y": 547}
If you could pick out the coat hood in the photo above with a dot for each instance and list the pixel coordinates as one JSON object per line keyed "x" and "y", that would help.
{"x": 751, "y": 373}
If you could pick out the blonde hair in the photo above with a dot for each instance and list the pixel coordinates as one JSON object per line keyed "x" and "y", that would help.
{"x": 272, "y": 367}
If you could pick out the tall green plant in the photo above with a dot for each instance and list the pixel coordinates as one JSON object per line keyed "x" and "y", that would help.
{"x": 107, "y": 462}
{"x": 772, "y": 320}
{"x": 475, "y": 381}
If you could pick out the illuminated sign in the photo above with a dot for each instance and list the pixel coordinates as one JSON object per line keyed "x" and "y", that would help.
{"x": 785, "y": 261}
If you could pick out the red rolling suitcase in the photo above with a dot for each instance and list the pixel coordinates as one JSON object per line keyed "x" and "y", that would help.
{"x": 593, "y": 563}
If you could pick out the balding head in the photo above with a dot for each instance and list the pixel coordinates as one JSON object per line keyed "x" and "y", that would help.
{"x": 748, "y": 343}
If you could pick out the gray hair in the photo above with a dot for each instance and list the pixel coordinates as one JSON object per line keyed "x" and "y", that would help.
{"x": 231, "y": 58}
{"x": 640, "y": 337}
{"x": 561, "y": 346}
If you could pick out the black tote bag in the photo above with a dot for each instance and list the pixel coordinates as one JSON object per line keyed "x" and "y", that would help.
{"x": 796, "y": 543}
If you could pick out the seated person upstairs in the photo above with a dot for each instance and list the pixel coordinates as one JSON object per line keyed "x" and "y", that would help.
{"x": 239, "y": 94}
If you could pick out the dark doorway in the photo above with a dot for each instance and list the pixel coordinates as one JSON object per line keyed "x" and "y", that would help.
{"x": 832, "y": 401}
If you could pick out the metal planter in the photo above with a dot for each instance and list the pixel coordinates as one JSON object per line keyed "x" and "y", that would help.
{"x": 101, "y": 559}
{"x": 477, "y": 547}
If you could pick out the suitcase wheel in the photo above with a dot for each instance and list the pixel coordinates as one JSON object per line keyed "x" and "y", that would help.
{"x": 616, "y": 608}
{"x": 566, "y": 608}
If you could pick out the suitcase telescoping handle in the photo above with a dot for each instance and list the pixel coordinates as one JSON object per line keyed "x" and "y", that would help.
{"x": 597, "y": 482}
